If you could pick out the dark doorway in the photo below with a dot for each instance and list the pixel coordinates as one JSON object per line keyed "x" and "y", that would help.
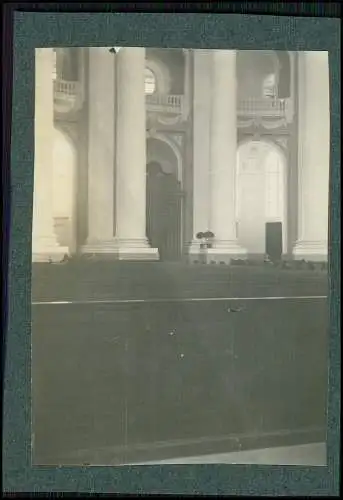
{"x": 274, "y": 240}
{"x": 163, "y": 217}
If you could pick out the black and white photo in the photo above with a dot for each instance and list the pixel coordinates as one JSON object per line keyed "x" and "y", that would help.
{"x": 180, "y": 256}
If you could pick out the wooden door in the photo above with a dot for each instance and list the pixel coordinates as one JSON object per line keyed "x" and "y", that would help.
{"x": 164, "y": 206}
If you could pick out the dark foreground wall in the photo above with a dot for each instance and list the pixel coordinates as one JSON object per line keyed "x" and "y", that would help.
{"x": 125, "y": 382}
{"x": 86, "y": 280}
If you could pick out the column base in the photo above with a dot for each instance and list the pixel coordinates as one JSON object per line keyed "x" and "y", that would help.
{"x": 315, "y": 251}
{"x": 135, "y": 249}
{"x": 48, "y": 250}
{"x": 120, "y": 249}
{"x": 100, "y": 248}
{"x": 225, "y": 251}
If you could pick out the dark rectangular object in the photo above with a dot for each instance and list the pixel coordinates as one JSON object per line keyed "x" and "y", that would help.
{"x": 274, "y": 240}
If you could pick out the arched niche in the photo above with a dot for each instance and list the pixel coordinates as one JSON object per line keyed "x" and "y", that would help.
{"x": 69, "y": 74}
{"x": 264, "y": 74}
{"x": 164, "y": 207}
{"x": 170, "y": 65}
{"x": 64, "y": 189}
{"x": 261, "y": 193}
{"x": 67, "y": 63}
{"x": 160, "y": 72}
{"x": 163, "y": 150}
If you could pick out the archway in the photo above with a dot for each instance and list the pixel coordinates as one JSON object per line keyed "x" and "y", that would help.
{"x": 164, "y": 200}
{"x": 264, "y": 74}
{"x": 64, "y": 190}
{"x": 261, "y": 198}
{"x": 156, "y": 69}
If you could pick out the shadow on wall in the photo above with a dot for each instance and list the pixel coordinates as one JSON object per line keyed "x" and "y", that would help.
{"x": 63, "y": 230}
{"x": 64, "y": 186}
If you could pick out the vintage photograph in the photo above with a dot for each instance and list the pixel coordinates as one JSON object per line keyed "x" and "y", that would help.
{"x": 180, "y": 256}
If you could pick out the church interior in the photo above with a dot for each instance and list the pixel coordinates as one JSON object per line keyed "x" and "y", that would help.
{"x": 235, "y": 143}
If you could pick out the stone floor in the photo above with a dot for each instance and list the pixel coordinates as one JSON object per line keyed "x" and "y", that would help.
{"x": 307, "y": 455}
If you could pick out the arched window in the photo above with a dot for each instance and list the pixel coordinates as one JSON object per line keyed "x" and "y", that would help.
{"x": 150, "y": 82}
{"x": 274, "y": 188}
{"x": 261, "y": 187}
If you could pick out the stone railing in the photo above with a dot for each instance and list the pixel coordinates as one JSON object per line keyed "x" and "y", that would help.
{"x": 263, "y": 107}
{"x": 68, "y": 95}
{"x": 165, "y": 103}
{"x": 65, "y": 90}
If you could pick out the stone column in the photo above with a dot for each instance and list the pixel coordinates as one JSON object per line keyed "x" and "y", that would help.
{"x": 131, "y": 240}
{"x": 313, "y": 157}
{"x": 223, "y": 158}
{"x": 101, "y": 153}
{"x": 187, "y": 91}
{"x": 201, "y": 146}
{"x": 44, "y": 242}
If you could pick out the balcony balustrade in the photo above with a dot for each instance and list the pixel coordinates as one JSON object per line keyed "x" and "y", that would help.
{"x": 263, "y": 107}
{"x": 165, "y": 103}
{"x": 65, "y": 91}
{"x": 67, "y": 94}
